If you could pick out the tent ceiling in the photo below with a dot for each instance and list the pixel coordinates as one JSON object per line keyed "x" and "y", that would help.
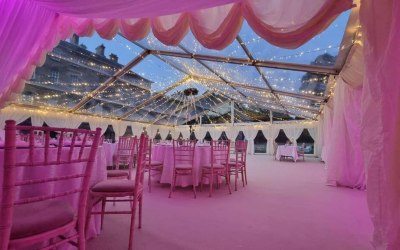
{"x": 256, "y": 76}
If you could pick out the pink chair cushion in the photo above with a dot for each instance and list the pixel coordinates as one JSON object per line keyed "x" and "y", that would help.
{"x": 109, "y": 186}
{"x": 155, "y": 163}
{"x": 117, "y": 173}
{"x": 233, "y": 163}
{"x": 215, "y": 166}
{"x": 183, "y": 166}
{"x": 39, "y": 217}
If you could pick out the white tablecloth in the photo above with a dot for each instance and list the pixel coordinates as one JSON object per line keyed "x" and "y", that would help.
{"x": 165, "y": 154}
{"x": 110, "y": 149}
{"x": 287, "y": 150}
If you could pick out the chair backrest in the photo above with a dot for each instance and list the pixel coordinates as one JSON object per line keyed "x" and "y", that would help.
{"x": 241, "y": 151}
{"x": 141, "y": 164}
{"x": 126, "y": 151}
{"x": 183, "y": 151}
{"x": 42, "y": 172}
{"x": 220, "y": 151}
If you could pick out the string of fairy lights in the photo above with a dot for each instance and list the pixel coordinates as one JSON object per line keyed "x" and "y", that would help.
{"x": 130, "y": 90}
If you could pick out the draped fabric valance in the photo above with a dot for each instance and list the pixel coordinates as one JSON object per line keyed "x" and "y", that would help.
{"x": 30, "y": 29}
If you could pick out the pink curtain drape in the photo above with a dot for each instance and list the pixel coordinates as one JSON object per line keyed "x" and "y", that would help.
{"x": 344, "y": 156}
{"x": 380, "y": 124}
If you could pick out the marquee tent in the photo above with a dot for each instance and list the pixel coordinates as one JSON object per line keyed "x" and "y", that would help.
{"x": 358, "y": 116}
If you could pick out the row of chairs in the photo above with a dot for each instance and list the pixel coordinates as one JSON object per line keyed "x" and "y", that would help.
{"x": 224, "y": 163}
{"x": 47, "y": 218}
{"x": 221, "y": 165}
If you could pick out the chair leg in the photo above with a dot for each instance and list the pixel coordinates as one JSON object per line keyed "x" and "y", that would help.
{"x": 140, "y": 211}
{"x": 211, "y": 183}
{"x": 103, "y": 209}
{"x": 236, "y": 177}
{"x": 245, "y": 173}
{"x": 132, "y": 227}
{"x": 242, "y": 173}
{"x": 172, "y": 189}
{"x": 82, "y": 234}
{"x": 229, "y": 185}
{"x": 194, "y": 184}
{"x": 149, "y": 181}
{"x": 201, "y": 182}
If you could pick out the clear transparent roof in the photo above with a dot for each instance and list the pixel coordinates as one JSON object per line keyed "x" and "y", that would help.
{"x": 147, "y": 81}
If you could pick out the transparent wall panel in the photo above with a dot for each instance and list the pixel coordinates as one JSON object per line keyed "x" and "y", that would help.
{"x": 191, "y": 44}
{"x": 327, "y": 42}
{"x": 158, "y": 72}
{"x": 178, "y": 91}
{"x": 124, "y": 93}
{"x": 301, "y": 113}
{"x": 238, "y": 73}
{"x": 41, "y": 96}
{"x": 191, "y": 66}
{"x": 102, "y": 108}
{"x": 292, "y": 101}
{"x": 81, "y": 59}
{"x": 124, "y": 49}
{"x": 296, "y": 81}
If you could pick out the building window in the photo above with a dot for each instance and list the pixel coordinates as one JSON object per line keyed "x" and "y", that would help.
{"x": 55, "y": 76}
{"x": 207, "y": 137}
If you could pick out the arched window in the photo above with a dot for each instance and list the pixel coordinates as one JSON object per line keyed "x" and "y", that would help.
{"x": 207, "y": 137}
{"x": 84, "y": 125}
{"x": 307, "y": 141}
{"x": 169, "y": 136}
{"x": 240, "y": 136}
{"x": 158, "y": 136}
{"x": 109, "y": 134}
{"x": 27, "y": 122}
{"x": 128, "y": 131}
{"x": 223, "y": 136}
{"x": 260, "y": 143}
{"x": 281, "y": 139}
{"x": 180, "y": 137}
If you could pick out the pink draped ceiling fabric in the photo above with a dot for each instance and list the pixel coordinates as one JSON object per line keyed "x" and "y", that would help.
{"x": 29, "y": 29}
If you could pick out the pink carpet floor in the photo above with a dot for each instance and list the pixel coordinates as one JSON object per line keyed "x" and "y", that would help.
{"x": 285, "y": 206}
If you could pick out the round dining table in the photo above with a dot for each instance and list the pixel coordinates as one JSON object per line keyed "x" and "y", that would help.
{"x": 164, "y": 153}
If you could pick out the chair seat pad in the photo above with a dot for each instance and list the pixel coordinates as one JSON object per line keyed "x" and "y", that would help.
{"x": 154, "y": 163}
{"x": 233, "y": 163}
{"x": 117, "y": 173}
{"x": 215, "y": 166}
{"x": 184, "y": 166}
{"x": 39, "y": 217}
{"x": 110, "y": 186}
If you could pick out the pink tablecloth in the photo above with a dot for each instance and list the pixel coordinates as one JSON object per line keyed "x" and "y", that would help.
{"x": 287, "y": 150}
{"x": 99, "y": 174}
{"x": 164, "y": 153}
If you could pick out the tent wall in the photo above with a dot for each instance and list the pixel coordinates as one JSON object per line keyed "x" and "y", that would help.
{"x": 270, "y": 131}
{"x": 63, "y": 119}
{"x": 341, "y": 121}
